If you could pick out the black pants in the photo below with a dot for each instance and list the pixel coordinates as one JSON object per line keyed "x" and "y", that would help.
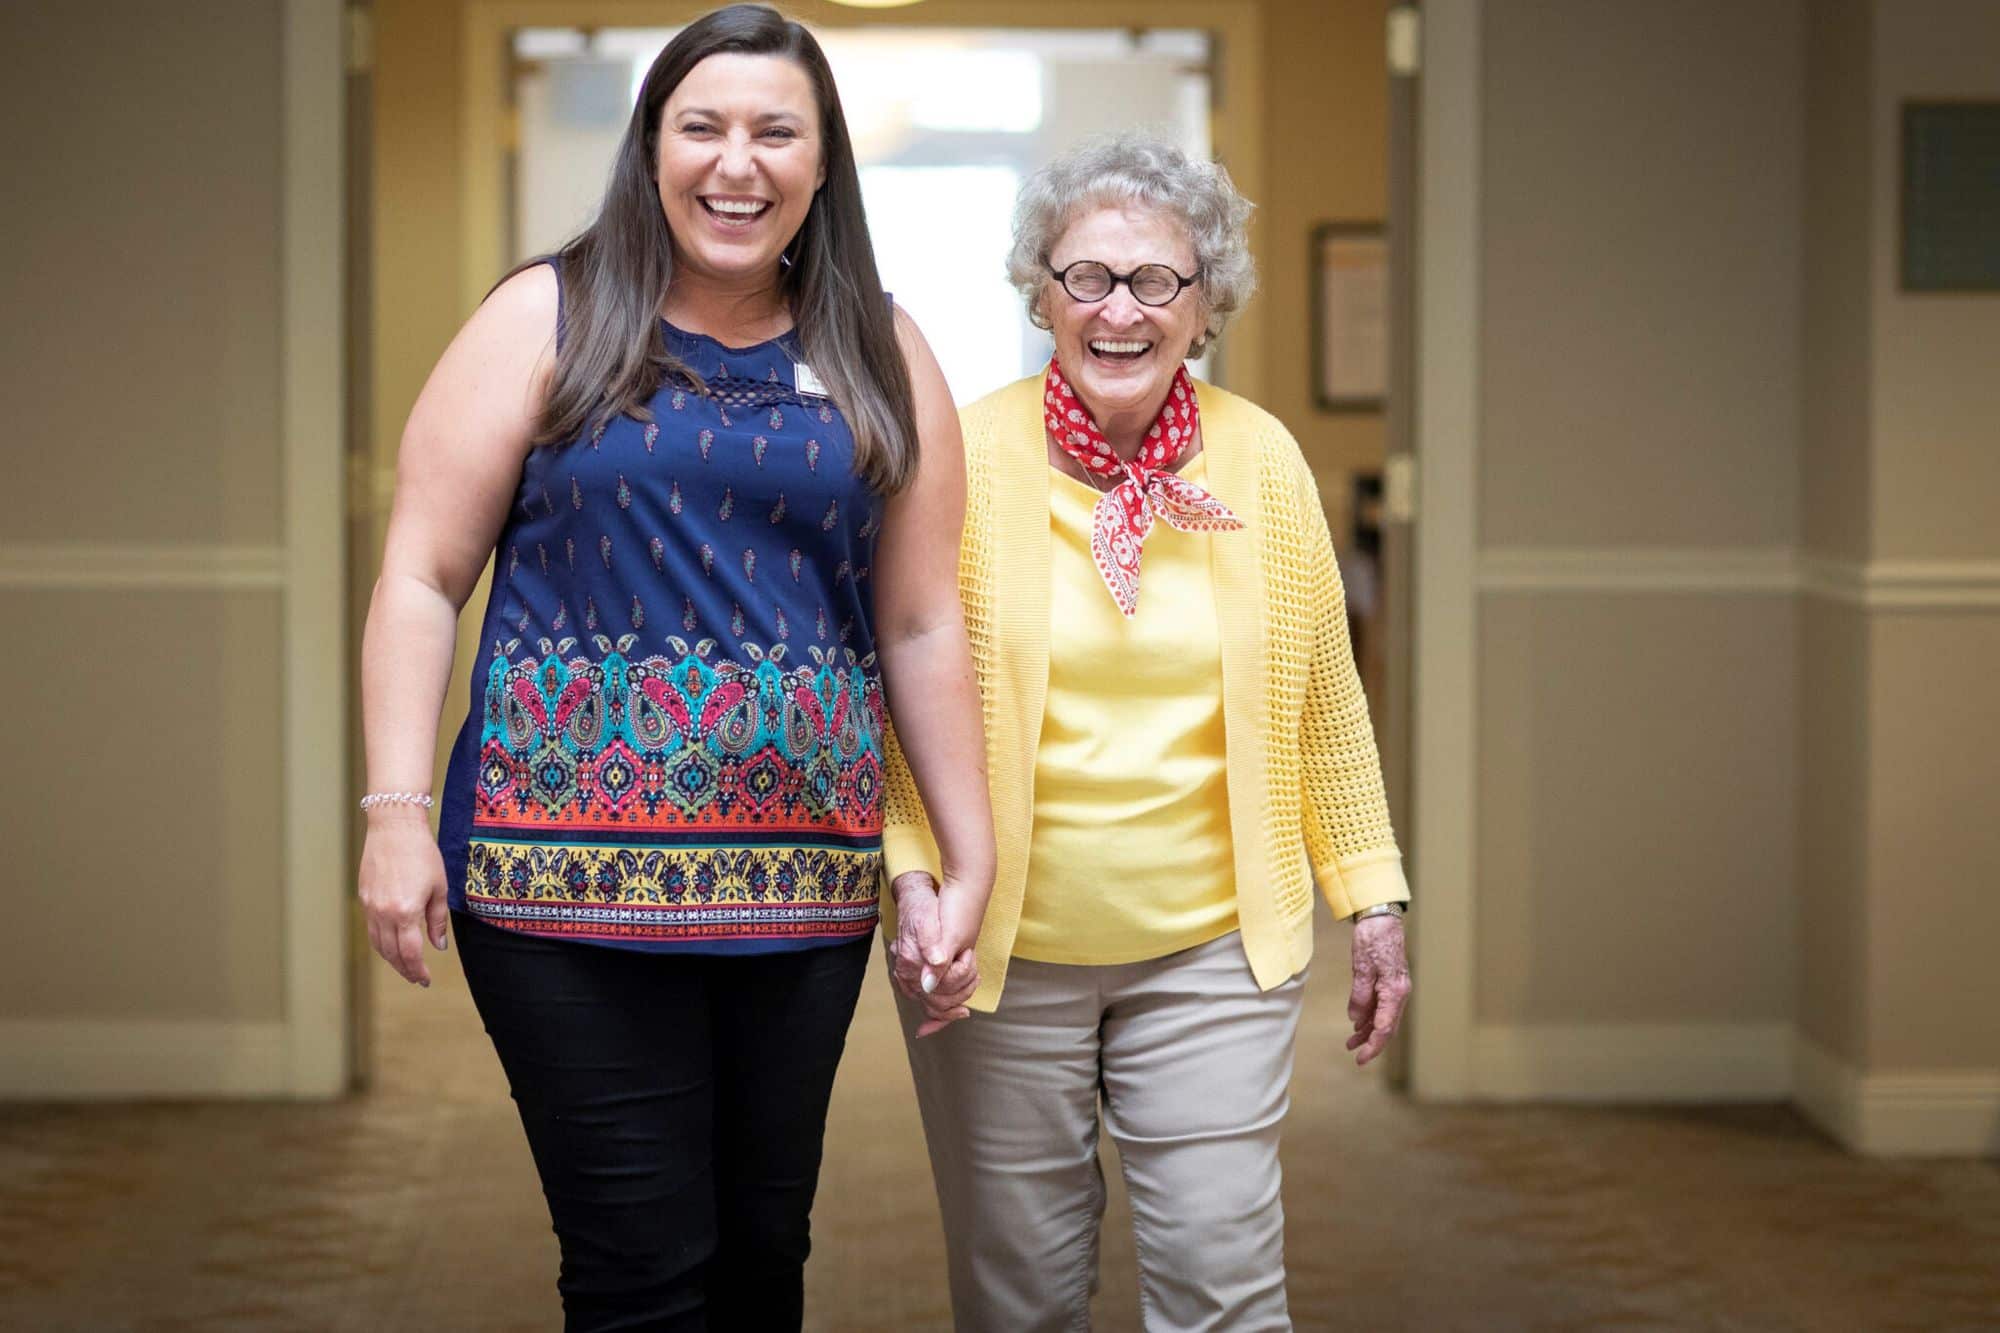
{"x": 675, "y": 1106}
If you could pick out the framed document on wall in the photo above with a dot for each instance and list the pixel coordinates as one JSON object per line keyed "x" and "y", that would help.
{"x": 1350, "y": 316}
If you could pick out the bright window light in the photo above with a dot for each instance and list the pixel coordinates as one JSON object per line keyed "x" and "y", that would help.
{"x": 941, "y": 236}
{"x": 979, "y": 90}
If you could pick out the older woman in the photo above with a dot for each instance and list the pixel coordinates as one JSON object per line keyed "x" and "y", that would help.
{"x": 1179, "y": 750}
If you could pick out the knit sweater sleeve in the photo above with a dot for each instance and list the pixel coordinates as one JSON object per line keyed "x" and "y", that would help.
{"x": 1349, "y": 841}
{"x": 907, "y": 843}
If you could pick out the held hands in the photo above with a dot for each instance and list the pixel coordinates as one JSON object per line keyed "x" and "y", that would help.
{"x": 403, "y": 890}
{"x": 1381, "y": 985}
{"x": 932, "y": 954}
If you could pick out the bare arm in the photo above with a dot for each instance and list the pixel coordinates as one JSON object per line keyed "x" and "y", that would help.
{"x": 927, "y": 671}
{"x": 458, "y": 467}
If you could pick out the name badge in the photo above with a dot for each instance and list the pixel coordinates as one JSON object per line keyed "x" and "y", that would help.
{"x": 808, "y": 382}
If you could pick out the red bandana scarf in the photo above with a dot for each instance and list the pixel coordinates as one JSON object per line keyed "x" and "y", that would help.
{"x": 1125, "y": 513}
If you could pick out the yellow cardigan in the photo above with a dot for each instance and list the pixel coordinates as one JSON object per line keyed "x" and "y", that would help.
{"x": 1305, "y": 783}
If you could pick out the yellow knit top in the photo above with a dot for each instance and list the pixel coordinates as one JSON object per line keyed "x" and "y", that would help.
{"x": 1304, "y": 781}
{"x": 1128, "y": 853}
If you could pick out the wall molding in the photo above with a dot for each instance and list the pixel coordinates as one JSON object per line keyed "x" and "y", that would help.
{"x": 114, "y": 566}
{"x": 70, "y": 1059}
{"x": 1905, "y": 1114}
{"x": 1751, "y": 569}
{"x": 1632, "y": 1062}
{"x": 1878, "y": 585}
{"x": 1903, "y": 585}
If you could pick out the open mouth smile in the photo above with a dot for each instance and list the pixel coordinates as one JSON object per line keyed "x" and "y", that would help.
{"x": 1119, "y": 351}
{"x": 735, "y": 212}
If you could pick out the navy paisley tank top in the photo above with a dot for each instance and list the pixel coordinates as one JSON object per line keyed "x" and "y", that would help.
{"x": 675, "y": 739}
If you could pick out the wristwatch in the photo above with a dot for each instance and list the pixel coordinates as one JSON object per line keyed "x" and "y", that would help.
{"x": 1380, "y": 909}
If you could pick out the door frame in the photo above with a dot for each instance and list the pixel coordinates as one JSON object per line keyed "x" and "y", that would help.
{"x": 314, "y": 658}
{"x": 1444, "y": 667}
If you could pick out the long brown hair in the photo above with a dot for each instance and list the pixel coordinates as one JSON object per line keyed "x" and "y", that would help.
{"x": 613, "y": 357}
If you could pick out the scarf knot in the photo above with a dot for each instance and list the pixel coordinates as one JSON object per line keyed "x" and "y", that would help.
{"x": 1147, "y": 489}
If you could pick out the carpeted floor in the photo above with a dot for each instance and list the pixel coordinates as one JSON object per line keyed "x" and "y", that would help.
{"x": 415, "y": 1207}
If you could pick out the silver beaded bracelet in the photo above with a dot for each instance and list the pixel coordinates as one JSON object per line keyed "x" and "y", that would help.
{"x": 375, "y": 798}
{"x": 1379, "y": 909}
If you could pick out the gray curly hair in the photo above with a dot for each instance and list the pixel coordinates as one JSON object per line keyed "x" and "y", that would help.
{"x": 1138, "y": 167}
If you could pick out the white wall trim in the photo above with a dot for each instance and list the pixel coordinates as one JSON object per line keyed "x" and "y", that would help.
{"x": 94, "y": 565}
{"x": 315, "y": 658}
{"x": 1754, "y": 569}
{"x": 1888, "y": 585}
{"x": 1903, "y": 585}
{"x": 92, "y": 1058}
{"x": 1624, "y": 1062}
{"x": 1909, "y": 1114}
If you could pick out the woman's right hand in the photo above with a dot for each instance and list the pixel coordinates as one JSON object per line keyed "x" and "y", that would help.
{"x": 932, "y": 955}
{"x": 402, "y": 889}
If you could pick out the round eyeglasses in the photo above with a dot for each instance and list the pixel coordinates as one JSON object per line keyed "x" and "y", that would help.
{"x": 1151, "y": 284}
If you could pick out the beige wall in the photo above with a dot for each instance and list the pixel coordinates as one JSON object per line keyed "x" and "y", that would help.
{"x": 1722, "y": 789}
{"x": 1635, "y": 804}
{"x": 1937, "y": 400}
{"x": 1326, "y": 110}
{"x": 1933, "y": 914}
{"x": 416, "y": 197}
{"x": 143, "y": 258}
{"x": 1837, "y": 334}
{"x": 1898, "y": 716}
{"x": 1639, "y": 364}
{"x": 1834, "y": 823}
{"x": 142, "y": 377}
{"x": 1933, "y": 759}
{"x": 1640, "y": 302}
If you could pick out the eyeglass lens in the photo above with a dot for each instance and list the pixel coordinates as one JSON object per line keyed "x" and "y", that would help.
{"x": 1152, "y": 284}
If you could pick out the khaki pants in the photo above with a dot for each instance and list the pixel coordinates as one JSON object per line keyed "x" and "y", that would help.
{"x": 1193, "y": 1065}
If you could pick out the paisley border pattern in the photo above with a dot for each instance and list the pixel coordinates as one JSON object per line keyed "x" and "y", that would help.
{"x": 688, "y": 742}
{"x": 678, "y": 796}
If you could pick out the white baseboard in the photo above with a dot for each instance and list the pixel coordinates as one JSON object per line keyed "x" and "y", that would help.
{"x": 1635, "y": 1062}
{"x": 66, "y": 1060}
{"x": 1914, "y": 1114}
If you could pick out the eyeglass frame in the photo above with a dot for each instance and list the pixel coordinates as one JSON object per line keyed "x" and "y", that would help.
{"x": 1061, "y": 275}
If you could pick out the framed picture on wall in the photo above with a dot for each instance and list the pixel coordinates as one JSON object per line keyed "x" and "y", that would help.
{"x": 1350, "y": 316}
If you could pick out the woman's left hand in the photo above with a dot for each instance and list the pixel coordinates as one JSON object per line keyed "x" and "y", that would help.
{"x": 923, "y": 937}
{"x": 1381, "y": 985}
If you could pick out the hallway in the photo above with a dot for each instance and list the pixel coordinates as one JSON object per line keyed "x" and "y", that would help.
{"x": 415, "y": 1207}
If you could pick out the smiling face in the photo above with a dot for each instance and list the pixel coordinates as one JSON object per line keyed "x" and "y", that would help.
{"x": 1119, "y": 355}
{"x": 739, "y": 160}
